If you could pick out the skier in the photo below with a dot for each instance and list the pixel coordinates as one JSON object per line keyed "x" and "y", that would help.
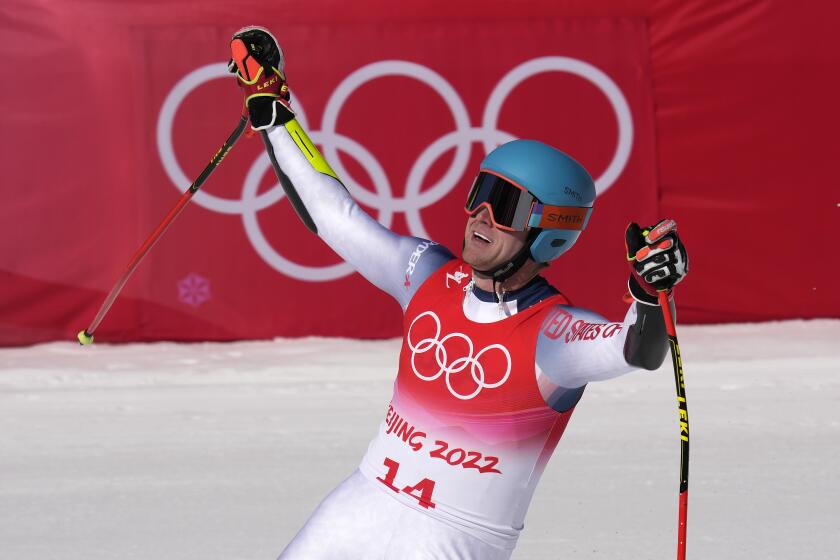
{"x": 494, "y": 359}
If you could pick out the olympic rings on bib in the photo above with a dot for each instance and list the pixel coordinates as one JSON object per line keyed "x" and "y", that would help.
{"x": 381, "y": 197}
{"x": 459, "y": 364}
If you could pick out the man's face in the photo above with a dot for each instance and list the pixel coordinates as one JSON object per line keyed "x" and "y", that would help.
{"x": 486, "y": 246}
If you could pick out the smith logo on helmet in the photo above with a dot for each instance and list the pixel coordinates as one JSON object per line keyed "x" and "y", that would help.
{"x": 564, "y": 218}
{"x": 572, "y": 192}
{"x": 567, "y": 219}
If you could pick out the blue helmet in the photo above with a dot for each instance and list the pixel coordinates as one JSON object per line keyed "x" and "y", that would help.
{"x": 555, "y": 180}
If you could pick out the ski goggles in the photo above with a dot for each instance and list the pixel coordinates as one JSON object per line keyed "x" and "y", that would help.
{"x": 513, "y": 208}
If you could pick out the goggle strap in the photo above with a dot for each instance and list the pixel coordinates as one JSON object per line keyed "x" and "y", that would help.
{"x": 545, "y": 216}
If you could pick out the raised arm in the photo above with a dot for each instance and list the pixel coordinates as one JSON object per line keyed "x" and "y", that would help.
{"x": 576, "y": 346}
{"x": 396, "y": 264}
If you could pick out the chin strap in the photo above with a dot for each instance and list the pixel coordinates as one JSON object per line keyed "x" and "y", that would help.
{"x": 507, "y": 269}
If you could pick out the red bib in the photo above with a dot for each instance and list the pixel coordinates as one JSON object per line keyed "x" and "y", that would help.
{"x": 468, "y": 433}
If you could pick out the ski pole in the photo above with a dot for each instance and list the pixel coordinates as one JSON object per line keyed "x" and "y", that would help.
{"x": 683, "y": 411}
{"x": 86, "y": 336}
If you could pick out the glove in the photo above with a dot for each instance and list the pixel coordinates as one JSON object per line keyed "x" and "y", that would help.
{"x": 657, "y": 259}
{"x": 258, "y": 64}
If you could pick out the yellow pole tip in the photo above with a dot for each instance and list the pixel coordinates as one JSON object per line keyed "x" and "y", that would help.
{"x": 84, "y": 338}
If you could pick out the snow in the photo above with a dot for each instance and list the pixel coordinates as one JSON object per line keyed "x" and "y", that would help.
{"x": 221, "y": 450}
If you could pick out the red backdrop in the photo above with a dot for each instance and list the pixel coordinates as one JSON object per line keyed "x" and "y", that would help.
{"x": 721, "y": 116}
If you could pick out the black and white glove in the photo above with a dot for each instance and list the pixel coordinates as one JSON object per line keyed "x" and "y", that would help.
{"x": 658, "y": 260}
{"x": 259, "y": 65}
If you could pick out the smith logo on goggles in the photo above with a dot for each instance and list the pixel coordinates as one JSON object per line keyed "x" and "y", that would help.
{"x": 513, "y": 208}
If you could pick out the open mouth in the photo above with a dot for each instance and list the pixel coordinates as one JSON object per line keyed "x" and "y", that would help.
{"x": 481, "y": 237}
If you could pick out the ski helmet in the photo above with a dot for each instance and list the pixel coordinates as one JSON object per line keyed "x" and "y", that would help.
{"x": 531, "y": 186}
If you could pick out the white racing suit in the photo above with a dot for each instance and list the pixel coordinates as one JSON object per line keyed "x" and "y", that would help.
{"x": 482, "y": 396}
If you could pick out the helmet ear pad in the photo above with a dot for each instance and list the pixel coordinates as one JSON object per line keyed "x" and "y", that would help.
{"x": 551, "y": 243}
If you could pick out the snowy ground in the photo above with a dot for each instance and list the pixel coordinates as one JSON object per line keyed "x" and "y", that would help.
{"x": 220, "y": 451}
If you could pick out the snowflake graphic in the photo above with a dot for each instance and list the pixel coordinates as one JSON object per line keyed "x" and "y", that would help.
{"x": 193, "y": 289}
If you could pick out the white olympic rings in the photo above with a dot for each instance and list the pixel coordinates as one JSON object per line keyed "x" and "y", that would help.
{"x": 381, "y": 197}
{"x": 459, "y": 364}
